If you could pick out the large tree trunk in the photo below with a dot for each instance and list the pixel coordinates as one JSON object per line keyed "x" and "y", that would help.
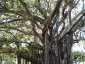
{"x": 57, "y": 51}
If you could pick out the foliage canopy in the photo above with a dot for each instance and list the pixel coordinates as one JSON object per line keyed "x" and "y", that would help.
{"x": 48, "y": 28}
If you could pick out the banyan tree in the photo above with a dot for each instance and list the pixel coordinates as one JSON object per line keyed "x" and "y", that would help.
{"x": 49, "y": 28}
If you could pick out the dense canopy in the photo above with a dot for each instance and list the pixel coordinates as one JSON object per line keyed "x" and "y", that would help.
{"x": 41, "y": 31}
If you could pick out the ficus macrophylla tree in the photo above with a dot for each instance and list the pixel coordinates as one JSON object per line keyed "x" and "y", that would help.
{"x": 47, "y": 27}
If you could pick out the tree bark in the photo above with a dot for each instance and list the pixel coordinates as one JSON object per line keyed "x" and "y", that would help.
{"x": 18, "y": 60}
{"x": 25, "y": 61}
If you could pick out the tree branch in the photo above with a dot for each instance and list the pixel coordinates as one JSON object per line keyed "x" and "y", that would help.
{"x": 25, "y": 6}
{"x": 14, "y": 28}
{"x": 38, "y": 19}
{"x": 69, "y": 28}
{"x": 55, "y": 11}
{"x": 10, "y": 21}
{"x": 36, "y": 34}
{"x": 81, "y": 12}
{"x": 31, "y": 59}
{"x": 4, "y": 9}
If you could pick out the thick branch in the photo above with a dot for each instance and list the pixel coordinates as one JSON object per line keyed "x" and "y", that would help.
{"x": 10, "y": 21}
{"x": 25, "y": 6}
{"x": 38, "y": 19}
{"x": 55, "y": 11}
{"x": 31, "y": 59}
{"x": 78, "y": 15}
{"x": 69, "y": 28}
{"x": 36, "y": 34}
{"x": 36, "y": 47}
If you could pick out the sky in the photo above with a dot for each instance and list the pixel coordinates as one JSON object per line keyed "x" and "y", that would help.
{"x": 79, "y": 46}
